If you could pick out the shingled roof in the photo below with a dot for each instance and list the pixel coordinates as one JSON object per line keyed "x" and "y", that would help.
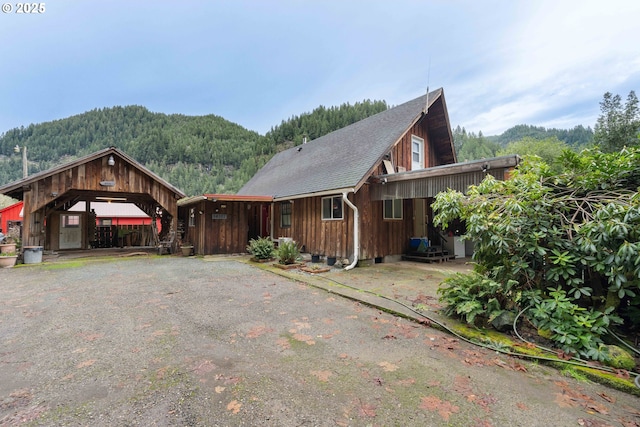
{"x": 341, "y": 160}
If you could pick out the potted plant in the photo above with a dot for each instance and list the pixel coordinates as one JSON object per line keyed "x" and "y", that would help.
{"x": 186, "y": 248}
{"x": 261, "y": 248}
{"x": 11, "y": 241}
{"x": 8, "y": 259}
{"x": 288, "y": 254}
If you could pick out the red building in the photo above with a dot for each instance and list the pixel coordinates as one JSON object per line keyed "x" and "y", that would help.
{"x": 10, "y": 215}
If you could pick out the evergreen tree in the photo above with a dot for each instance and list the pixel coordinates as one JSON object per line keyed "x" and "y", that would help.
{"x": 617, "y": 127}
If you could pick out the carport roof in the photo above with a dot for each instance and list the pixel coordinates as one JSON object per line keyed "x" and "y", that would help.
{"x": 16, "y": 189}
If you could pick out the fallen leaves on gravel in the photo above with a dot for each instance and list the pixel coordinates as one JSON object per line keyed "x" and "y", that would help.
{"x": 434, "y": 404}
{"x": 234, "y": 406}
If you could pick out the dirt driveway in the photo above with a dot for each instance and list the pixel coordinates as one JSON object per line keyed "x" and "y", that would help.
{"x": 185, "y": 342}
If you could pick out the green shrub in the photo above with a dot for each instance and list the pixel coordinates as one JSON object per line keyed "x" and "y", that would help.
{"x": 261, "y": 248}
{"x": 475, "y": 298}
{"x": 574, "y": 329}
{"x": 288, "y": 252}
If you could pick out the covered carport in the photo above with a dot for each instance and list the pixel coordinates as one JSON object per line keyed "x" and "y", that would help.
{"x": 107, "y": 175}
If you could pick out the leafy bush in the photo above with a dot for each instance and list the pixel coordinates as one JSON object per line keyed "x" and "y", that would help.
{"x": 261, "y": 248}
{"x": 288, "y": 252}
{"x": 571, "y": 240}
{"x": 575, "y": 329}
{"x": 475, "y": 298}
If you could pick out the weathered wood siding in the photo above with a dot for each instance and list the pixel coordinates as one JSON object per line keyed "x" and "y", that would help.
{"x": 378, "y": 237}
{"x": 401, "y": 152}
{"x": 220, "y": 227}
{"x": 318, "y": 236}
{"x": 87, "y": 177}
{"x": 128, "y": 181}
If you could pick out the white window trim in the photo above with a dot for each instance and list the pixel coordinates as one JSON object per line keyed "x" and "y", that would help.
{"x": 341, "y": 208}
{"x": 420, "y": 142}
{"x": 393, "y": 210}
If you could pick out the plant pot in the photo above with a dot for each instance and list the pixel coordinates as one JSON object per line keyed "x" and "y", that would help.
{"x": 8, "y": 261}
{"x": 32, "y": 254}
{"x": 7, "y": 247}
{"x": 186, "y": 250}
{"x": 288, "y": 266}
{"x": 315, "y": 258}
{"x": 331, "y": 260}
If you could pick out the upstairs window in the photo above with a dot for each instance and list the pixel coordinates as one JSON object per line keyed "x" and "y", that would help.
{"x": 417, "y": 153}
{"x": 332, "y": 207}
{"x": 393, "y": 209}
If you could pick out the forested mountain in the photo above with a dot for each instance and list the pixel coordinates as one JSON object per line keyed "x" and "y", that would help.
{"x": 577, "y": 137}
{"x": 208, "y": 154}
{"x": 472, "y": 146}
{"x": 198, "y": 154}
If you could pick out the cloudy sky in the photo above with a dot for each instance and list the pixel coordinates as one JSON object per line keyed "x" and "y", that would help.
{"x": 257, "y": 62}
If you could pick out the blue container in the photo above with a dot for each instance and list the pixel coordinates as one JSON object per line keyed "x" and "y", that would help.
{"x": 414, "y": 242}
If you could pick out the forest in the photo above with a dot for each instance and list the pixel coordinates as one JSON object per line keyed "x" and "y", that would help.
{"x": 198, "y": 154}
{"x": 208, "y": 154}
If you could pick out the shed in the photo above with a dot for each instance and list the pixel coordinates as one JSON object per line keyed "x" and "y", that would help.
{"x": 106, "y": 175}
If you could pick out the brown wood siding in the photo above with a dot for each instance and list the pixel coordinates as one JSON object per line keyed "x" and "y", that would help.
{"x": 217, "y": 235}
{"x": 318, "y": 236}
{"x": 380, "y": 237}
{"x": 401, "y": 152}
{"x": 84, "y": 179}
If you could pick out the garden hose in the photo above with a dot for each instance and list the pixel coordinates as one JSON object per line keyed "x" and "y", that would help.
{"x": 574, "y": 361}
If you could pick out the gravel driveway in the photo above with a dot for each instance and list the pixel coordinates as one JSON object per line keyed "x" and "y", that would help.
{"x": 172, "y": 341}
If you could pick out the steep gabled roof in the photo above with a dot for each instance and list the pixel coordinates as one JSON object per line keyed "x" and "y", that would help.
{"x": 343, "y": 159}
{"x": 15, "y": 189}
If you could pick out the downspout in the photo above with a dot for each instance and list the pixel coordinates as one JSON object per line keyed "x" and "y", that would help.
{"x": 356, "y": 232}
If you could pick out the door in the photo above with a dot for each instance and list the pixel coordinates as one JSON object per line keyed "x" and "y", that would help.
{"x": 420, "y": 219}
{"x": 70, "y": 231}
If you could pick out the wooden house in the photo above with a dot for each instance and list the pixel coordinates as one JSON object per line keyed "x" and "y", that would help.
{"x": 362, "y": 192}
{"x": 107, "y": 175}
{"x": 224, "y": 223}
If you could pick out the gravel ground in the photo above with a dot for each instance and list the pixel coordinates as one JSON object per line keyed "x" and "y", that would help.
{"x": 171, "y": 341}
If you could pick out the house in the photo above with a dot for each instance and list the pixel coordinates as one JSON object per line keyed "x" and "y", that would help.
{"x": 106, "y": 175}
{"x": 363, "y": 191}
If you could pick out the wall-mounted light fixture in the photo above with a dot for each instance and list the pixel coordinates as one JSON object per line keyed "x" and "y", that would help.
{"x": 111, "y": 161}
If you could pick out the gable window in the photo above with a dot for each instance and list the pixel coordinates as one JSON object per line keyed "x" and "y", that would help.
{"x": 393, "y": 209}
{"x": 332, "y": 207}
{"x": 285, "y": 214}
{"x": 417, "y": 153}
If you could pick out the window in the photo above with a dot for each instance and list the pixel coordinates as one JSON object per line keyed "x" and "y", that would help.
{"x": 192, "y": 217}
{"x": 417, "y": 153}
{"x": 285, "y": 214}
{"x": 70, "y": 221}
{"x": 332, "y": 207}
{"x": 393, "y": 209}
{"x": 104, "y": 222}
